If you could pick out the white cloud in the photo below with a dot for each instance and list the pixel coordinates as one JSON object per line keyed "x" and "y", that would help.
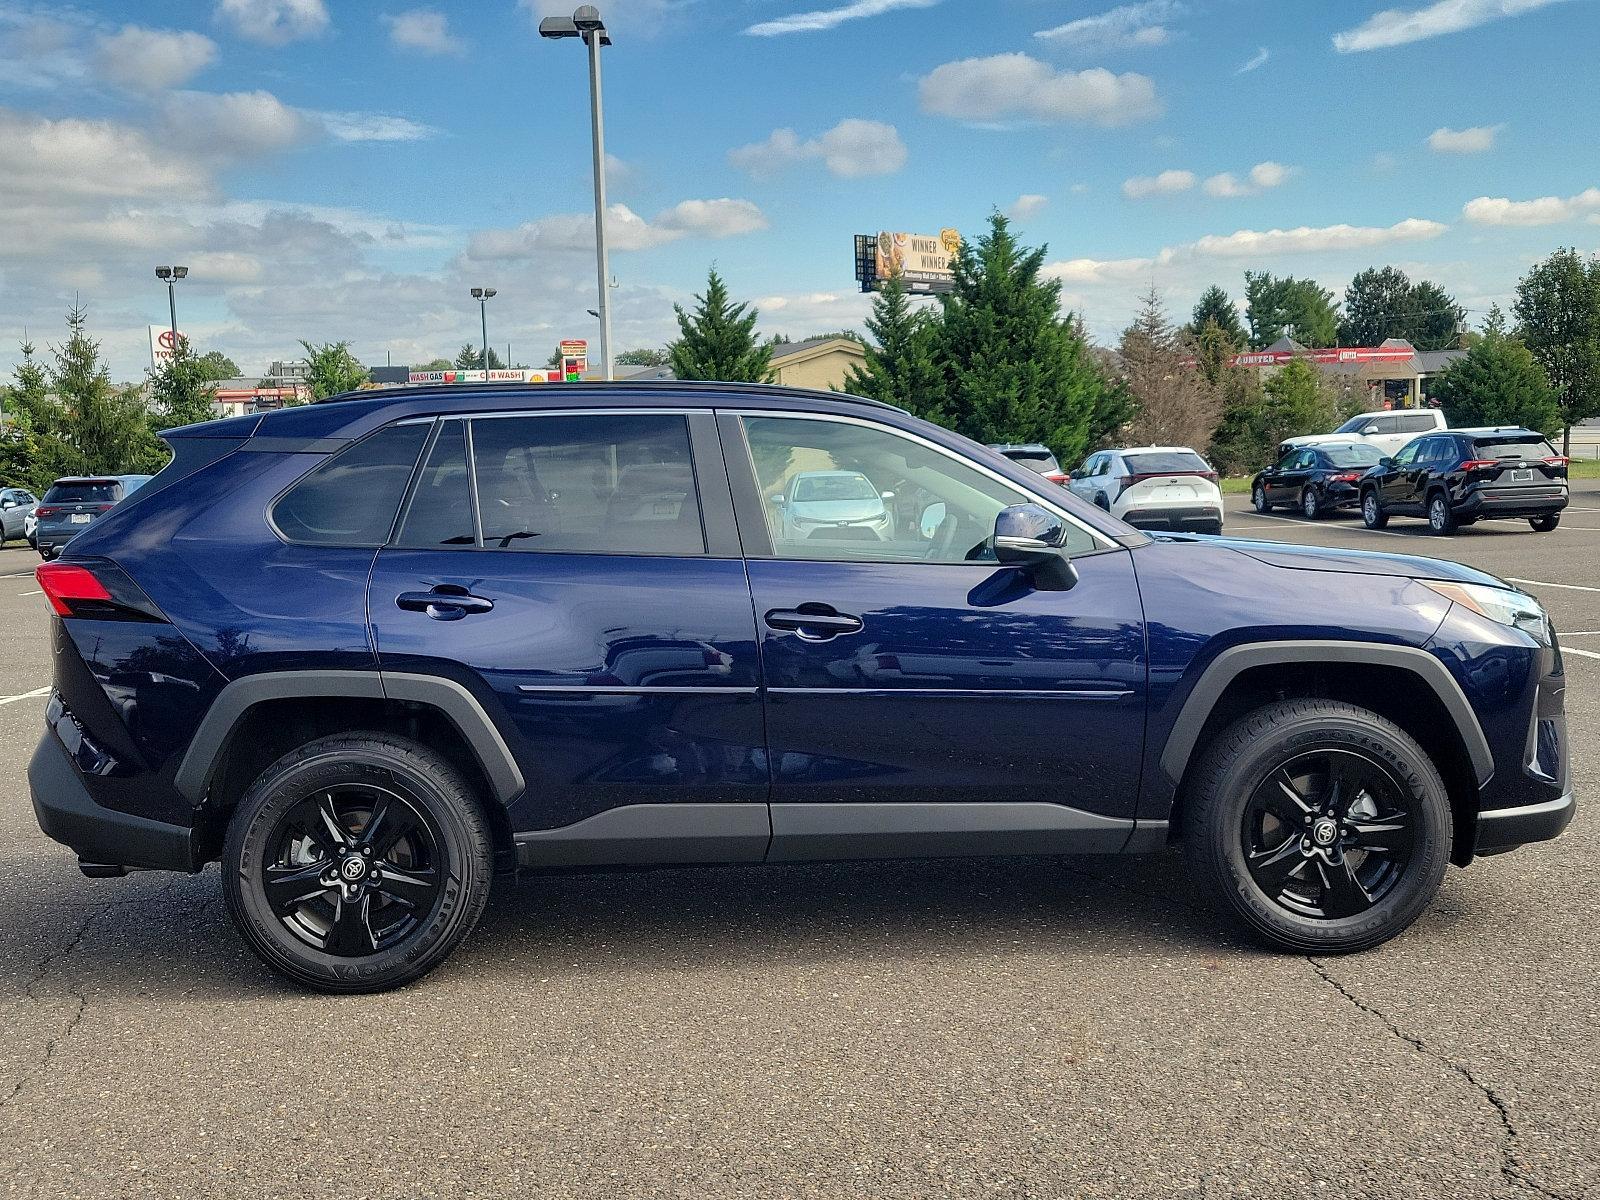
{"x": 1262, "y": 177}
{"x": 423, "y": 30}
{"x": 152, "y": 60}
{"x": 41, "y": 53}
{"x": 1030, "y": 204}
{"x": 1401, "y": 27}
{"x": 1007, "y": 86}
{"x": 801, "y": 314}
{"x": 829, "y": 18}
{"x": 231, "y": 124}
{"x": 852, "y": 149}
{"x": 1127, "y": 27}
{"x": 1546, "y": 210}
{"x": 274, "y": 22}
{"x": 568, "y": 233}
{"x": 372, "y": 127}
{"x": 1248, "y": 243}
{"x": 44, "y": 160}
{"x": 1078, "y": 271}
{"x": 1257, "y": 60}
{"x": 1167, "y": 183}
{"x": 1476, "y": 140}
{"x": 712, "y": 218}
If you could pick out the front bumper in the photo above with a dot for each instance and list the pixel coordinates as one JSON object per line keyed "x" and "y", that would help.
{"x": 1502, "y": 829}
{"x": 67, "y": 813}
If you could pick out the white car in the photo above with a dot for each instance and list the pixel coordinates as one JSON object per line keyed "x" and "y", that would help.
{"x": 834, "y": 506}
{"x": 1153, "y": 487}
{"x": 1384, "y": 431}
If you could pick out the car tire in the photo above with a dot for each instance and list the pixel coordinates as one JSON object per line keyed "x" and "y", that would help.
{"x": 1316, "y": 891}
{"x": 1440, "y": 519}
{"x": 390, "y": 846}
{"x": 1544, "y": 524}
{"x": 1372, "y": 514}
{"x": 1258, "y": 499}
{"x": 1311, "y": 503}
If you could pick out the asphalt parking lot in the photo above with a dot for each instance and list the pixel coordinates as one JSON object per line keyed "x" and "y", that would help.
{"x": 1038, "y": 1028}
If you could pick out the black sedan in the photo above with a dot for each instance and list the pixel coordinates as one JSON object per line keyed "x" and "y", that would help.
{"x": 1316, "y": 479}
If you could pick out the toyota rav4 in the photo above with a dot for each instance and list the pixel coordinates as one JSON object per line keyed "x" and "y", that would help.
{"x": 368, "y": 654}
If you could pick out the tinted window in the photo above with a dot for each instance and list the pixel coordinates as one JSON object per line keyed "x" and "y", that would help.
{"x": 440, "y": 511}
{"x": 1513, "y": 445}
{"x": 351, "y": 499}
{"x": 1166, "y": 462}
{"x": 81, "y": 493}
{"x": 920, "y": 504}
{"x": 1408, "y": 453}
{"x": 1383, "y": 425}
{"x": 1353, "y": 425}
{"x": 1415, "y": 423}
{"x": 1351, "y": 456}
{"x": 1035, "y": 460}
{"x": 596, "y": 484}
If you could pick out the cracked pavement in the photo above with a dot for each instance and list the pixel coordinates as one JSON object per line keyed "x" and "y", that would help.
{"x": 1084, "y": 1027}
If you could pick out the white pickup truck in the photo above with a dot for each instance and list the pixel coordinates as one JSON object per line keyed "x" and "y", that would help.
{"x": 1385, "y": 432}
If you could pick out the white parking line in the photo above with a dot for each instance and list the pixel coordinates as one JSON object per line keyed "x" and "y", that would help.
{"x": 1575, "y": 587}
{"x": 35, "y": 592}
{"x": 1584, "y": 653}
{"x": 45, "y": 691}
{"x": 1299, "y": 524}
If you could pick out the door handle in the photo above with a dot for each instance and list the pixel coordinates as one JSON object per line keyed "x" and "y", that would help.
{"x": 813, "y": 622}
{"x": 444, "y": 604}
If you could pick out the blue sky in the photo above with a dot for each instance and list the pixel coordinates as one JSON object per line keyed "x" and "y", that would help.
{"x": 340, "y": 170}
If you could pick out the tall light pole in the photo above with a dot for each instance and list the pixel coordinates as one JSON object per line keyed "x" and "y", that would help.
{"x": 170, "y": 276}
{"x": 483, "y": 296}
{"x": 585, "y": 23}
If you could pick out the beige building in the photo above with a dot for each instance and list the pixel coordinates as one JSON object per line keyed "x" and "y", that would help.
{"x": 822, "y": 365}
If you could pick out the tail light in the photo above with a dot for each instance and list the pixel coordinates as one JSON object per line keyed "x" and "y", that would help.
{"x": 1480, "y": 464}
{"x": 1557, "y": 461}
{"x": 46, "y": 510}
{"x": 66, "y": 585}
{"x": 1351, "y": 477}
{"x": 96, "y": 590}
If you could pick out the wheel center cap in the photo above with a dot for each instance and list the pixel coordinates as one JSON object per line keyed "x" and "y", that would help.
{"x": 353, "y": 869}
{"x": 1325, "y": 832}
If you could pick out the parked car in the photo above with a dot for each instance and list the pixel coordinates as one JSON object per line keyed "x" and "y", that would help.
{"x": 367, "y": 670}
{"x": 1036, "y": 458}
{"x": 1460, "y": 477}
{"x": 73, "y": 503}
{"x": 30, "y": 529}
{"x": 1385, "y": 431}
{"x": 834, "y": 506}
{"x": 16, "y": 506}
{"x": 1153, "y": 487}
{"x": 1315, "y": 479}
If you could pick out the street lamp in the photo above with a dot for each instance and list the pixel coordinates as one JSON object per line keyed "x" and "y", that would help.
{"x": 483, "y": 296}
{"x": 170, "y": 276}
{"x": 585, "y": 23}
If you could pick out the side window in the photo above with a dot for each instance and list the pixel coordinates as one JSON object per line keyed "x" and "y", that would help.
{"x": 351, "y": 499}
{"x": 1105, "y": 464}
{"x": 1408, "y": 454}
{"x": 1383, "y": 425}
{"x": 440, "y": 510}
{"x": 832, "y": 490}
{"x": 600, "y": 483}
{"x": 1415, "y": 423}
{"x": 1091, "y": 465}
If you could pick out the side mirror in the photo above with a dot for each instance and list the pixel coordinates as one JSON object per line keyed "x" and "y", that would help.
{"x": 1386, "y": 461}
{"x": 1030, "y": 537}
{"x": 886, "y": 495}
{"x": 777, "y": 501}
{"x": 1078, "y": 474}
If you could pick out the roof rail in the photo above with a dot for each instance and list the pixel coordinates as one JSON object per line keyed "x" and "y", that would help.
{"x": 620, "y": 385}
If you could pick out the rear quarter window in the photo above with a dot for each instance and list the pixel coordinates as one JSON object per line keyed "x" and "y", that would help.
{"x": 1512, "y": 446}
{"x": 82, "y": 493}
{"x": 352, "y": 499}
{"x": 1166, "y": 463}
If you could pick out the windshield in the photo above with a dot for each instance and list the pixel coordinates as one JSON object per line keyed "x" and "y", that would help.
{"x": 1041, "y": 461}
{"x": 1351, "y": 456}
{"x": 1167, "y": 462}
{"x": 81, "y": 493}
{"x": 1513, "y": 445}
{"x": 835, "y": 487}
{"x": 1353, "y": 425}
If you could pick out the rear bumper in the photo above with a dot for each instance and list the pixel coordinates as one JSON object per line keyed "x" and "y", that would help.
{"x": 67, "y": 813}
{"x": 1505, "y": 502}
{"x": 1501, "y": 829}
{"x": 1192, "y": 517}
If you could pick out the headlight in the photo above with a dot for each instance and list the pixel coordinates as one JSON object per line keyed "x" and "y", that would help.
{"x": 1501, "y": 605}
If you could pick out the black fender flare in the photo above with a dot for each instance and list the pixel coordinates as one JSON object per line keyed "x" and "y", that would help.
{"x": 1233, "y": 662}
{"x": 460, "y": 706}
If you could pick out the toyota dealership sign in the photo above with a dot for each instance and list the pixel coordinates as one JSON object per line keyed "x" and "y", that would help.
{"x": 162, "y": 346}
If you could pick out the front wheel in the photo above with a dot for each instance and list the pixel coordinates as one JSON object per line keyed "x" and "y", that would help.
{"x": 1440, "y": 519}
{"x": 1322, "y": 826}
{"x": 1372, "y": 514}
{"x": 1544, "y": 524}
{"x": 1258, "y": 499}
{"x": 357, "y": 863}
{"x": 1311, "y": 503}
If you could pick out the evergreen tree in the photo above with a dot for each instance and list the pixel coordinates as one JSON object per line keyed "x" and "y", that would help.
{"x": 1241, "y": 444}
{"x": 33, "y": 446}
{"x": 1295, "y": 403}
{"x": 1382, "y": 303}
{"x": 105, "y": 427}
{"x": 1280, "y": 306}
{"x": 29, "y": 400}
{"x": 644, "y": 357}
{"x": 1015, "y": 370}
{"x": 1498, "y": 382}
{"x": 1175, "y": 404}
{"x": 1558, "y": 319}
{"x": 181, "y": 389}
{"x": 902, "y": 367}
{"x": 1214, "y": 308}
{"x": 217, "y": 365}
{"x": 718, "y": 339}
{"x": 332, "y": 369}
{"x": 471, "y": 359}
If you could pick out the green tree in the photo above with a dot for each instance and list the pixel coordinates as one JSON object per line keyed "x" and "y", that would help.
{"x": 1382, "y": 303}
{"x": 33, "y": 445}
{"x": 1175, "y": 404}
{"x": 718, "y": 339}
{"x": 1015, "y": 370}
{"x": 29, "y": 399}
{"x": 217, "y": 365}
{"x": 1241, "y": 443}
{"x": 436, "y": 364}
{"x": 643, "y": 357}
{"x": 849, "y": 335}
{"x": 106, "y": 428}
{"x": 471, "y": 359}
{"x": 182, "y": 389}
{"x": 1558, "y": 318}
{"x": 1283, "y": 306}
{"x": 902, "y": 366}
{"x": 1295, "y": 403}
{"x": 1214, "y": 308}
{"x": 1498, "y": 382}
{"x": 332, "y": 369}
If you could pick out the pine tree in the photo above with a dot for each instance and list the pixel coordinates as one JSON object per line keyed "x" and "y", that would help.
{"x": 901, "y": 367}
{"x": 1286, "y": 306}
{"x": 1241, "y": 444}
{"x": 471, "y": 358}
{"x": 29, "y": 399}
{"x": 1498, "y": 382}
{"x": 1015, "y": 369}
{"x": 1175, "y": 404}
{"x": 718, "y": 339}
{"x": 181, "y": 389}
{"x": 1296, "y": 403}
{"x": 106, "y": 427}
{"x": 1214, "y": 308}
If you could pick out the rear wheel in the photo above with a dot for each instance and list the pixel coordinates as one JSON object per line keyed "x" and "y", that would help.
{"x": 1440, "y": 519}
{"x": 1311, "y": 503}
{"x": 1544, "y": 524}
{"x": 1258, "y": 498}
{"x": 1372, "y": 514}
{"x": 357, "y": 863}
{"x": 1322, "y": 826}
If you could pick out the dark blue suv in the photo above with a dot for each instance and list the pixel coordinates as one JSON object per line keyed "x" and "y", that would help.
{"x": 370, "y": 653}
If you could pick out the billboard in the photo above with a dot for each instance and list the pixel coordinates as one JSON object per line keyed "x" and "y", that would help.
{"x": 923, "y": 261}
{"x": 162, "y": 346}
{"x": 497, "y": 375}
